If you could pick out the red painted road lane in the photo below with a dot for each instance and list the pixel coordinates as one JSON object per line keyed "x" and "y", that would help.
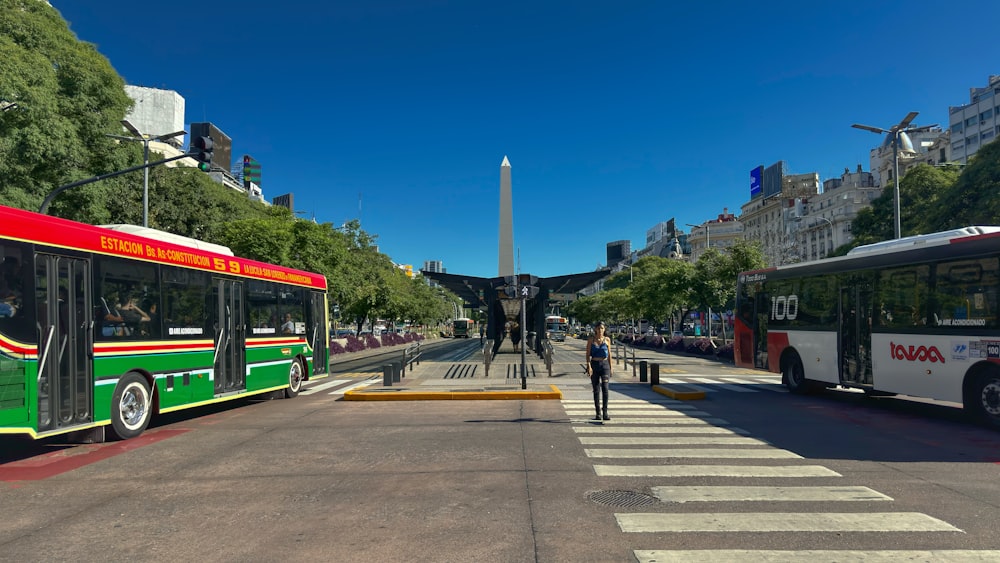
{"x": 48, "y": 465}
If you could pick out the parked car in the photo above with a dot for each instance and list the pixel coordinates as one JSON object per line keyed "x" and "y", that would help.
{"x": 345, "y": 332}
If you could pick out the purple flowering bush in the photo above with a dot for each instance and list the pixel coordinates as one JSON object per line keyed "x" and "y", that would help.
{"x": 371, "y": 342}
{"x": 675, "y": 344}
{"x": 725, "y": 352}
{"x": 392, "y": 339}
{"x": 336, "y": 348}
{"x": 354, "y": 344}
{"x": 702, "y": 347}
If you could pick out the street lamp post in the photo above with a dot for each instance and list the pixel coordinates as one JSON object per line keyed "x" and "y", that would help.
{"x": 145, "y": 140}
{"x": 708, "y": 244}
{"x": 896, "y": 130}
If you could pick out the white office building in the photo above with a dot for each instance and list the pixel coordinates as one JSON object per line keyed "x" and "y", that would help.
{"x": 976, "y": 123}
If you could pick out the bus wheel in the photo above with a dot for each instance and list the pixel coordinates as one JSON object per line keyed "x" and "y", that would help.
{"x": 295, "y": 376}
{"x": 984, "y": 402}
{"x": 130, "y": 406}
{"x": 794, "y": 375}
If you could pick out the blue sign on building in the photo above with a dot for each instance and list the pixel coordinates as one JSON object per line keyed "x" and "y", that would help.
{"x": 756, "y": 176}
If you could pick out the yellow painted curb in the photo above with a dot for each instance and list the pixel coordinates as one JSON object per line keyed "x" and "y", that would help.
{"x": 679, "y": 392}
{"x": 390, "y": 394}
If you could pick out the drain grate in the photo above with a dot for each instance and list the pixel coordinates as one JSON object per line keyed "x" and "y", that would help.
{"x": 622, "y": 498}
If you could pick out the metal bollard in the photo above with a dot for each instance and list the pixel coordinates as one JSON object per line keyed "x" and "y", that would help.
{"x": 633, "y": 362}
{"x": 642, "y": 371}
{"x": 654, "y": 374}
{"x": 387, "y": 375}
{"x": 396, "y": 371}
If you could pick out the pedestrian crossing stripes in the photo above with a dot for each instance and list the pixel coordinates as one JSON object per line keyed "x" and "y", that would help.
{"x": 676, "y": 420}
{"x": 635, "y": 412}
{"x": 341, "y": 385}
{"x": 669, "y": 441}
{"x": 738, "y": 385}
{"x": 767, "y": 494}
{"x": 643, "y": 432}
{"x": 747, "y": 471}
{"x": 783, "y": 522}
{"x": 680, "y": 429}
{"x": 813, "y": 556}
{"x": 666, "y": 453}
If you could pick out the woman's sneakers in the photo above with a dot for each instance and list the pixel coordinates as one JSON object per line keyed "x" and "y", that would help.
{"x": 606, "y": 417}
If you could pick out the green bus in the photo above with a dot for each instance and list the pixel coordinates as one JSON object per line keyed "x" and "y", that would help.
{"x": 106, "y": 326}
{"x": 463, "y": 327}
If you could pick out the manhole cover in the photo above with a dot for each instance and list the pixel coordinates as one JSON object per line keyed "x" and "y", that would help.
{"x": 622, "y": 498}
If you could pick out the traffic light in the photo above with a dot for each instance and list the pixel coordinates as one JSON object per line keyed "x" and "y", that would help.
{"x": 203, "y": 152}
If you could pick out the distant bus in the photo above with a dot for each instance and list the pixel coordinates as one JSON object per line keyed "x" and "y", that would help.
{"x": 462, "y": 328}
{"x": 556, "y": 327}
{"x": 102, "y": 327}
{"x": 917, "y": 316}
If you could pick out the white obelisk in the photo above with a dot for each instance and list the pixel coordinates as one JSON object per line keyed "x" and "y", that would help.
{"x": 506, "y": 266}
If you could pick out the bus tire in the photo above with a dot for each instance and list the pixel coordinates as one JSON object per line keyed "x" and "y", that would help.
{"x": 794, "y": 375}
{"x": 296, "y": 374}
{"x": 983, "y": 400}
{"x": 131, "y": 406}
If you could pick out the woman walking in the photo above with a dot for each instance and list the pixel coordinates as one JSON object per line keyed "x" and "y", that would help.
{"x": 599, "y": 369}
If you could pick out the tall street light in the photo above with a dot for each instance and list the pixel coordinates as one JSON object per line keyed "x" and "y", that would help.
{"x": 145, "y": 140}
{"x": 708, "y": 244}
{"x": 896, "y": 130}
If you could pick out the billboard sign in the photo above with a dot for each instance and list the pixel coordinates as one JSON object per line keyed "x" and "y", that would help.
{"x": 771, "y": 178}
{"x": 756, "y": 177}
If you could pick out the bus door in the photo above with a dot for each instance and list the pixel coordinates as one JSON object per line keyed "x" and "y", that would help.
{"x": 855, "y": 335}
{"x": 317, "y": 330}
{"x": 761, "y": 312}
{"x": 65, "y": 341}
{"x": 230, "y": 336}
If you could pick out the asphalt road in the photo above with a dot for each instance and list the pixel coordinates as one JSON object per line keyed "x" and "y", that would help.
{"x": 748, "y": 473}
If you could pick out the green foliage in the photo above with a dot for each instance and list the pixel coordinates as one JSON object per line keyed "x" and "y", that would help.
{"x": 974, "y": 197}
{"x": 67, "y": 98}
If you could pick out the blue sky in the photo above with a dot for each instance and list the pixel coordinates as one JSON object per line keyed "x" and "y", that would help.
{"x": 615, "y": 115}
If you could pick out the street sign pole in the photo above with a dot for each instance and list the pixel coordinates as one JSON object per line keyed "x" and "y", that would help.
{"x": 524, "y": 337}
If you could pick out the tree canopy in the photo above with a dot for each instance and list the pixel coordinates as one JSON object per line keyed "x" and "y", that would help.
{"x": 60, "y": 99}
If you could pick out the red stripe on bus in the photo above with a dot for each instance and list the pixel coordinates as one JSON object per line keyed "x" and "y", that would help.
{"x": 48, "y": 465}
{"x": 146, "y": 348}
{"x": 776, "y": 343}
{"x": 19, "y": 224}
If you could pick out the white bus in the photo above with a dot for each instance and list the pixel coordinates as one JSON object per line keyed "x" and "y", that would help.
{"x": 914, "y": 316}
{"x": 556, "y": 327}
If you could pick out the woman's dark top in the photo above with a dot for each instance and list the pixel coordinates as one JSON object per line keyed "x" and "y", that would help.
{"x": 599, "y": 351}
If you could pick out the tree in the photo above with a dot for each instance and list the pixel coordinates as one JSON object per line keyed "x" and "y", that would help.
{"x": 662, "y": 287}
{"x": 716, "y": 272}
{"x": 923, "y": 196}
{"x": 67, "y": 98}
{"x": 974, "y": 197}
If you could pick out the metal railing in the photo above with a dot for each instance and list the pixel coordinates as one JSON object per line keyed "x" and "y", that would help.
{"x": 487, "y": 354}
{"x": 411, "y": 355}
{"x": 547, "y": 352}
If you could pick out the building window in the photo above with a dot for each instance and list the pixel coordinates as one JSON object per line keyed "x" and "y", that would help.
{"x": 970, "y": 122}
{"x": 987, "y": 135}
{"x": 957, "y": 128}
{"x": 986, "y": 115}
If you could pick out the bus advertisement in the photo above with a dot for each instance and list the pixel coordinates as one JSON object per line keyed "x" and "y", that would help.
{"x": 916, "y": 316}
{"x": 103, "y": 327}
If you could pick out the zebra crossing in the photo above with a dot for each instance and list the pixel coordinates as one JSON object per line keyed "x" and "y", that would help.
{"x": 751, "y": 384}
{"x": 679, "y": 435}
{"x": 339, "y": 386}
